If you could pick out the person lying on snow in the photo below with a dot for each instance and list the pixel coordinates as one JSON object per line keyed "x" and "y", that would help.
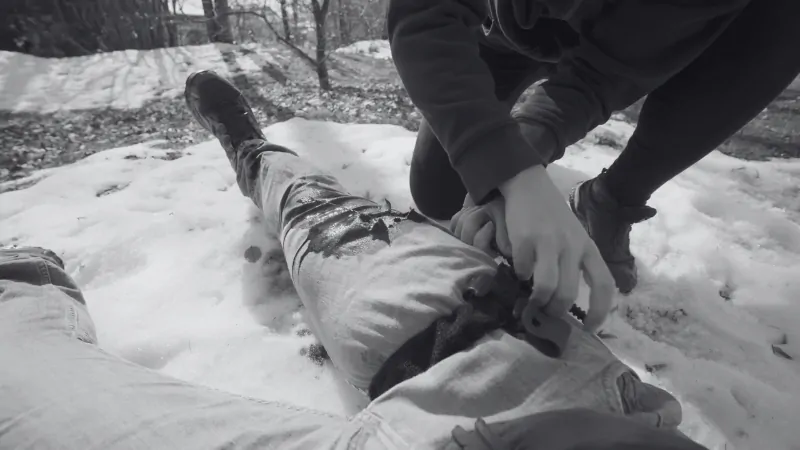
{"x": 439, "y": 336}
{"x": 708, "y": 67}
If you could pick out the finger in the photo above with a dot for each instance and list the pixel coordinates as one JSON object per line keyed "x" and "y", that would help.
{"x": 522, "y": 251}
{"x": 545, "y": 274}
{"x": 501, "y": 231}
{"x": 472, "y": 224}
{"x": 567, "y": 290}
{"x": 601, "y": 283}
{"x": 484, "y": 237}
{"x": 465, "y": 214}
{"x": 455, "y": 220}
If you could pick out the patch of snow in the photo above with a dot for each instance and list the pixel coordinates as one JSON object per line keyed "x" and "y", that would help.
{"x": 131, "y": 78}
{"x": 158, "y": 246}
{"x": 376, "y": 48}
{"x": 122, "y": 79}
{"x": 195, "y": 7}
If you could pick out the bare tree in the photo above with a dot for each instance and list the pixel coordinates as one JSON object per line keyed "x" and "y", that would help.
{"x": 296, "y": 14}
{"x": 223, "y": 21}
{"x": 287, "y": 28}
{"x": 218, "y": 24}
{"x": 211, "y": 24}
{"x": 82, "y": 27}
{"x": 320, "y": 12}
{"x": 355, "y": 20}
{"x": 343, "y": 22}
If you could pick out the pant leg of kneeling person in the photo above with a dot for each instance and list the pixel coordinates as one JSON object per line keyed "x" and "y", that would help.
{"x": 58, "y": 389}
{"x": 371, "y": 278}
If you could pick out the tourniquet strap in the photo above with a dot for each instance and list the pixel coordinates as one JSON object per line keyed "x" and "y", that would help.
{"x": 485, "y": 310}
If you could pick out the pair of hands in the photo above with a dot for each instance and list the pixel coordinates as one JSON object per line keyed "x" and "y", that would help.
{"x": 533, "y": 224}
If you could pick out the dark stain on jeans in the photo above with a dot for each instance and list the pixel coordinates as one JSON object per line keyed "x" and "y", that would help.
{"x": 340, "y": 224}
{"x": 346, "y": 229}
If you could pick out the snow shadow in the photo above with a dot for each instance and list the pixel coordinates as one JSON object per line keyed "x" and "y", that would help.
{"x": 270, "y": 296}
{"x": 239, "y": 78}
{"x": 267, "y": 289}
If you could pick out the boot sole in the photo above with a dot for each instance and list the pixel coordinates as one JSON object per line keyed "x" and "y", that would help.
{"x": 197, "y": 117}
{"x": 573, "y": 202}
{"x": 190, "y": 80}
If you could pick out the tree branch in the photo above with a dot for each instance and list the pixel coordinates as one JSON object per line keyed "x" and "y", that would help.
{"x": 300, "y": 52}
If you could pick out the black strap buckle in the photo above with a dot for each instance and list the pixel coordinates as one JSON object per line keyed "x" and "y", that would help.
{"x": 547, "y": 334}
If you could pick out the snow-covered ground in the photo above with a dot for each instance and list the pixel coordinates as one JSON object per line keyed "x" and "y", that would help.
{"x": 375, "y": 48}
{"x": 159, "y": 246}
{"x": 130, "y": 78}
{"x": 196, "y": 6}
{"x": 122, "y": 79}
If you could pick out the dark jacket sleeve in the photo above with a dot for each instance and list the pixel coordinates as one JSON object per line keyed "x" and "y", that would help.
{"x": 435, "y": 48}
{"x": 631, "y": 50}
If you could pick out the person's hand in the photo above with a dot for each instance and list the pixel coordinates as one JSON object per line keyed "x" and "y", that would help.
{"x": 549, "y": 244}
{"x": 483, "y": 226}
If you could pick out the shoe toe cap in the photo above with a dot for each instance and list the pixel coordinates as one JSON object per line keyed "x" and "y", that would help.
{"x": 625, "y": 276}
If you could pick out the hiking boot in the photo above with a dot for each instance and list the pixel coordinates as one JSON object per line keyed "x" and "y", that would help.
{"x": 609, "y": 225}
{"x": 219, "y": 107}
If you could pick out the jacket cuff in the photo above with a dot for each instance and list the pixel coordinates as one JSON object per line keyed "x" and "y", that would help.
{"x": 542, "y": 139}
{"x": 493, "y": 158}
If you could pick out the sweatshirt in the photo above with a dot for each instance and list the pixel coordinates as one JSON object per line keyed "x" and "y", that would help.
{"x": 608, "y": 54}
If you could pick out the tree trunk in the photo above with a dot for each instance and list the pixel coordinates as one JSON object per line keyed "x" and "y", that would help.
{"x": 222, "y": 18}
{"x": 295, "y": 16}
{"x": 211, "y": 24}
{"x": 344, "y": 24}
{"x": 287, "y": 28}
{"x": 170, "y": 25}
{"x": 320, "y": 14}
{"x": 334, "y": 32}
{"x": 81, "y": 27}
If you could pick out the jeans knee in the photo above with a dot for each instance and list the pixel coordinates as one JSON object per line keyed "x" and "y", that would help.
{"x": 31, "y": 252}
{"x": 38, "y": 266}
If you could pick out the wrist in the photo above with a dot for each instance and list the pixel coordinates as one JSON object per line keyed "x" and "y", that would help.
{"x": 532, "y": 172}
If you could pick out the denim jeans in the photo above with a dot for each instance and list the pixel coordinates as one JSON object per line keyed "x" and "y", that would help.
{"x": 369, "y": 277}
